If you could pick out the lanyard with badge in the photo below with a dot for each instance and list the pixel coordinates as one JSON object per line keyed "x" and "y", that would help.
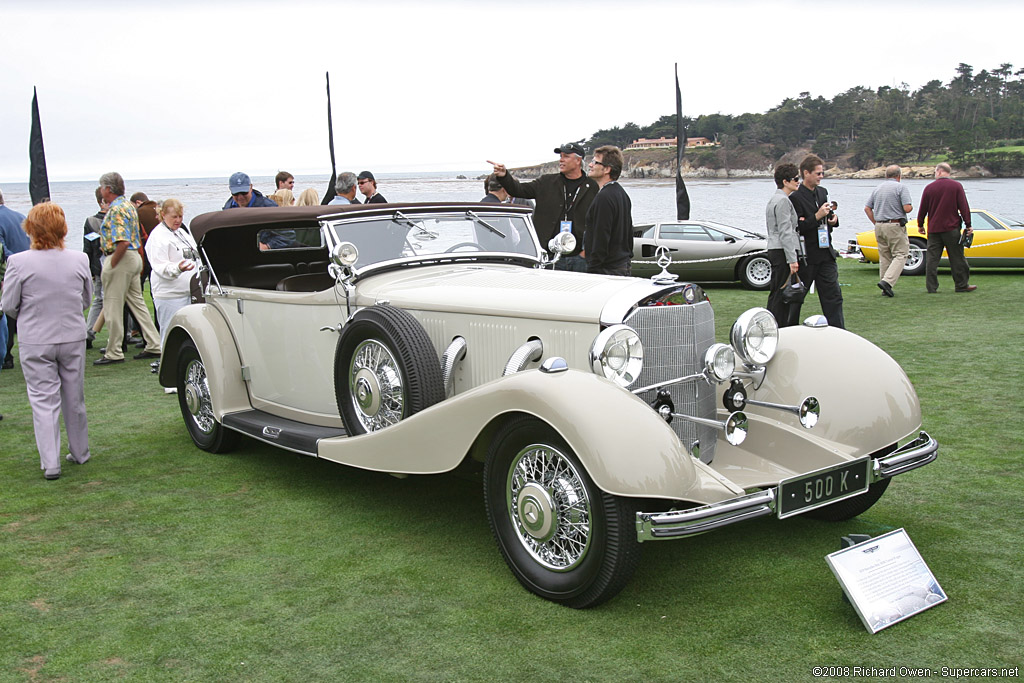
{"x": 566, "y": 224}
{"x": 823, "y": 239}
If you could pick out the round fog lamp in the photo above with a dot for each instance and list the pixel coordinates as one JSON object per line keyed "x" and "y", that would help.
{"x": 755, "y": 336}
{"x": 617, "y": 354}
{"x": 720, "y": 361}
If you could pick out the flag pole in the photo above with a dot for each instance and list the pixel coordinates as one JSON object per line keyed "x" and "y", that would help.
{"x": 331, "y": 192}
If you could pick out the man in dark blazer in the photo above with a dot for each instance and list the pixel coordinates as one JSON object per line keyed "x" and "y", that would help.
{"x": 563, "y": 199}
{"x": 368, "y": 186}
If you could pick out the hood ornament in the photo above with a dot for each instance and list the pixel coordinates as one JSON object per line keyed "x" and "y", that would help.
{"x": 664, "y": 259}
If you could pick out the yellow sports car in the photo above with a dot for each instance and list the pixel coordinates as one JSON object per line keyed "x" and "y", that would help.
{"x": 998, "y": 243}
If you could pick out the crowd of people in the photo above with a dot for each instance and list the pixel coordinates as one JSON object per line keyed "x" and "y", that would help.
{"x": 800, "y": 220}
{"x": 130, "y": 241}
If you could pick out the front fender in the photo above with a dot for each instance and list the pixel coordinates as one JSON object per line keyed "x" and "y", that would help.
{"x": 625, "y": 447}
{"x": 867, "y": 403}
{"x": 204, "y": 325}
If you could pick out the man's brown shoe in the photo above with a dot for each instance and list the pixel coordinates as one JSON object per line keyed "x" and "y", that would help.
{"x": 970, "y": 288}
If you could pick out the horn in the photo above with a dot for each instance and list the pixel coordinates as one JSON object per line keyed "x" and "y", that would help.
{"x": 734, "y": 426}
{"x": 808, "y": 410}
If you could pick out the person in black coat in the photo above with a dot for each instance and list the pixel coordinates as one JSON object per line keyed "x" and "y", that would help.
{"x": 816, "y": 218}
{"x": 608, "y": 240}
{"x": 563, "y": 199}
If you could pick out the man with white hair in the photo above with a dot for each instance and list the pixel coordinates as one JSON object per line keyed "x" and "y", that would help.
{"x": 345, "y": 187}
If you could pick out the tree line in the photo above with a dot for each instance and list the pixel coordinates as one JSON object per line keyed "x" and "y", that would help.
{"x": 961, "y": 119}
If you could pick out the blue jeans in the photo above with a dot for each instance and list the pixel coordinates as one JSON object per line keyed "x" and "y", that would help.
{"x": 574, "y": 263}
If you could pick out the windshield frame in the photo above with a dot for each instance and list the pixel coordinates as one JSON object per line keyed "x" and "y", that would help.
{"x": 405, "y": 216}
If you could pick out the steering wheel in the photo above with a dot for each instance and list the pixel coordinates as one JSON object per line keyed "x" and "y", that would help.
{"x": 474, "y": 245}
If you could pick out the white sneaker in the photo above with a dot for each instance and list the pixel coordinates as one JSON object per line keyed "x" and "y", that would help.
{"x": 170, "y": 390}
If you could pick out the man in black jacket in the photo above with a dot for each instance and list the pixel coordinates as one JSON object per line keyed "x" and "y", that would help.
{"x": 563, "y": 199}
{"x": 608, "y": 241}
{"x": 91, "y": 246}
{"x": 816, "y": 219}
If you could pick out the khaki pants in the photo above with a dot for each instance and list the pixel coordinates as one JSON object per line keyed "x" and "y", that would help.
{"x": 121, "y": 286}
{"x": 893, "y": 249}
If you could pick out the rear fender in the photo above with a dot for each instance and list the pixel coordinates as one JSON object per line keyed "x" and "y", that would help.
{"x": 205, "y": 327}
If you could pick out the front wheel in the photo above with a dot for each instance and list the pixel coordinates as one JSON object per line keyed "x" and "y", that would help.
{"x": 756, "y": 272}
{"x": 564, "y": 539}
{"x": 197, "y": 405}
{"x": 851, "y": 507}
{"x": 915, "y": 259}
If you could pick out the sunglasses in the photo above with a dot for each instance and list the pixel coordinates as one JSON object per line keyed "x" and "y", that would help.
{"x": 795, "y": 180}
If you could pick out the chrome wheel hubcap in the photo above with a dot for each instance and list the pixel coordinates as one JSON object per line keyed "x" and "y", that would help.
{"x": 549, "y": 507}
{"x": 197, "y": 397}
{"x": 375, "y": 385}
{"x": 759, "y": 271}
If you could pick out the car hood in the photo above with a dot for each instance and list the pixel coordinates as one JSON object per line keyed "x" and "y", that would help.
{"x": 506, "y": 290}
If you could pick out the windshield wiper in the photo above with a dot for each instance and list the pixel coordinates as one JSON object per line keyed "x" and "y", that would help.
{"x": 484, "y": 223}
{"x": 425, "y": 234}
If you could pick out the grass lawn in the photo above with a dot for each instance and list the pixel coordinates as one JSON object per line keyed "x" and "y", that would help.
{"x": 157, "y": 561}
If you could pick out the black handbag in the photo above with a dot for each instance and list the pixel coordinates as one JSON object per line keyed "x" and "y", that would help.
{"x": 794, "y": 291}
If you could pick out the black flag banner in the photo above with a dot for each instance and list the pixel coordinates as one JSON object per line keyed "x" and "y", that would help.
{"x": 682, "y": 198}
{"x": 38, "y": 183}
{"x": 331, "y": 192}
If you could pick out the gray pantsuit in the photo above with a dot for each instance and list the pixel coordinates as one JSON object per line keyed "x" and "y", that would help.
{"x": 47, "y": 290}
{"x": 54, "y": 375}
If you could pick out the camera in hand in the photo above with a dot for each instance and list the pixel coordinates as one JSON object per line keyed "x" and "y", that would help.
{"x": 832, "y": 211}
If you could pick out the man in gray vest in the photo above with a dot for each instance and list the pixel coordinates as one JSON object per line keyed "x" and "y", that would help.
{"x": 887, "y": 209}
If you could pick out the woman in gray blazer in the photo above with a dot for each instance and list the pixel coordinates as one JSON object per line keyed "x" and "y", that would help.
{"x": 47, "y": 289}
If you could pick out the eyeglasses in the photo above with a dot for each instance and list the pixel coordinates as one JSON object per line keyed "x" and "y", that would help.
{"x": 239, "y": 194}
{"x": 363, "y": 181}
{"x": 599, "y": 163}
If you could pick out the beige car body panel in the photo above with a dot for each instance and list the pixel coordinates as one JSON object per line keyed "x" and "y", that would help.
{"x": 636, "y": 454}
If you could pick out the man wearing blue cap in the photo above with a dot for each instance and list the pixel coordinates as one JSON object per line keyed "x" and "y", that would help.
{"x": 242, "y": 193}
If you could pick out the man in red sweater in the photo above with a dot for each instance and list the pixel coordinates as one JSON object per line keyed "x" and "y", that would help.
{"x": 945, "y": 205}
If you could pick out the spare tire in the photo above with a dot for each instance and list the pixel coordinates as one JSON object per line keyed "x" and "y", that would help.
{"x": 385, "y": 369}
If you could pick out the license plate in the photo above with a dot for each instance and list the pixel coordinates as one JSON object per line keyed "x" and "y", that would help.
{"x": 822, "y": 487}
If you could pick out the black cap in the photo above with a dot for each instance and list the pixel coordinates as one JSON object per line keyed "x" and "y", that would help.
{"x": 571, "y": 148}
{"x": 366, "y": 175}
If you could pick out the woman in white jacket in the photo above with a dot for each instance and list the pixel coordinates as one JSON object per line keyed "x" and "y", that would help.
{"x": 171, "y": 270}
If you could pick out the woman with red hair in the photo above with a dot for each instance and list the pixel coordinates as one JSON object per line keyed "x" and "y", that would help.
{"x": 47, "y": 289}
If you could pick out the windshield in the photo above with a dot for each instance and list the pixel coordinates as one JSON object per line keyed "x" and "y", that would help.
{"x": 1011, "y": 223}
{"x": 414, "y": 236}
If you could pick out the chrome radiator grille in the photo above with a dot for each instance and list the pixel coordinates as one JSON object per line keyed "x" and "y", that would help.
{"x": 675, "y": 339}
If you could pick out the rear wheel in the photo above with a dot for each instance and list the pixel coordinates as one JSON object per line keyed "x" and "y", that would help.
{"x": 756, "y": 272}
{"x": 915, "y": 259}
{"x": 197, "y": 405}
{"x": 564, "y": 539}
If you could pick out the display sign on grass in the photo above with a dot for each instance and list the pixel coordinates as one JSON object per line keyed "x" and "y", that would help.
{"x": 885, "y": 579}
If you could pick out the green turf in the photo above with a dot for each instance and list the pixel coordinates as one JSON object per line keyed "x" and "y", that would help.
{"x": 157, "y": 561}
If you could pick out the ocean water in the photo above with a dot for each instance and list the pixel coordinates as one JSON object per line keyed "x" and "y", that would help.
{"x": 738, "y": 202}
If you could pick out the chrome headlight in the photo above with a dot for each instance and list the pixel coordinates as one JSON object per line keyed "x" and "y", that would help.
{"x": 617, "y": 354}
{"x": 719, "y": 362}
{"x": 755, "y": 336}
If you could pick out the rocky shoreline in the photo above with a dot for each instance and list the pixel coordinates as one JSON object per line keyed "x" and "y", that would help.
{"x": 661, "y": 164}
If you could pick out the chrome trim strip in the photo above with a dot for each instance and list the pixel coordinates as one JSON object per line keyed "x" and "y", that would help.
{"x": 668, "y": 382}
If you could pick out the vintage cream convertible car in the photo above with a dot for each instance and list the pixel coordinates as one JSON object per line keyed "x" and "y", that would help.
{"x": 411, "y": 339}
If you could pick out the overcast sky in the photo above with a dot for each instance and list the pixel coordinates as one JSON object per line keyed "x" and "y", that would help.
{"x": 185, "y": 89}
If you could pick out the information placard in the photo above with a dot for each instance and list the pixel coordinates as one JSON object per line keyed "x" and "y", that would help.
{"x": 885, "y": 579}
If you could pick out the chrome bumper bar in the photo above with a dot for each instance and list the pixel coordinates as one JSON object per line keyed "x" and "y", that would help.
{"x": 663, "y": 526}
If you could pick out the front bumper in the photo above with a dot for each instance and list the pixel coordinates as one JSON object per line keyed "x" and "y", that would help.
{"x": 663, "y": 526}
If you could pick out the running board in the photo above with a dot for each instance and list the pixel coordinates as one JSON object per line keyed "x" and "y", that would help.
{"x": 280, "y": 431}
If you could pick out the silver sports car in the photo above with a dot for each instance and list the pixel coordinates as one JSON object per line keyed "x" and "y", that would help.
{"x": 703, "y": 251}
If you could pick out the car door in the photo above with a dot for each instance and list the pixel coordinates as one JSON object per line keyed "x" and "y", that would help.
{"x": 691, "y": 244}
{"x": 994, "y": 244}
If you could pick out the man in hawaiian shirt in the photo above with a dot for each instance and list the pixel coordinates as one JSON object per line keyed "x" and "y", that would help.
{"x": 120, "y": 240}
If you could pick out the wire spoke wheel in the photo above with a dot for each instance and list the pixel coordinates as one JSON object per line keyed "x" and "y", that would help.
{"x": 549, "y": 507}
{"x": 196, "y": 402}
{"x": 375, "y": 385}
